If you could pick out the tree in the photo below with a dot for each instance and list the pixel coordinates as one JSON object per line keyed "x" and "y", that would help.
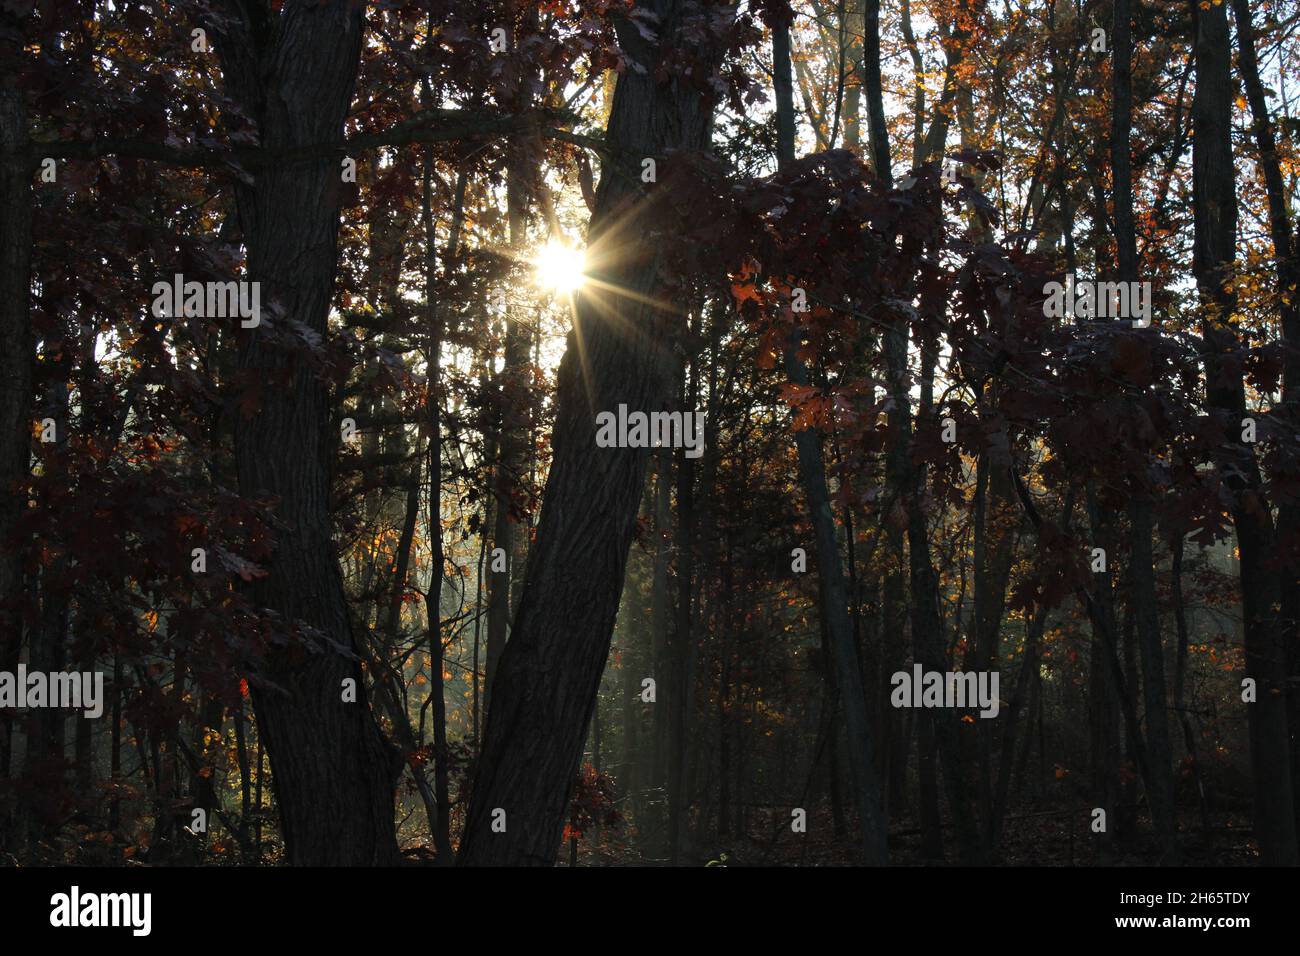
{"x": 292, "y": 76}
{"x": 1216, "y": 222}
{"x": 620, "y": 352}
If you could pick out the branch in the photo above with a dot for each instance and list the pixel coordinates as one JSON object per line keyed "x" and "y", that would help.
{"x": 428, "y": 126}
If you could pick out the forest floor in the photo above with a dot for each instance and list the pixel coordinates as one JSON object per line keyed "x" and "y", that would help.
{"x": 1033, "y": 837}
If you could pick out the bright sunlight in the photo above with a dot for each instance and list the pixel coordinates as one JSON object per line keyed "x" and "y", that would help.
{"x": 560, "y": 267}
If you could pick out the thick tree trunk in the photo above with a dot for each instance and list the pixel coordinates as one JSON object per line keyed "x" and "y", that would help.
{"x": 334, "y": 773}
{"x": 1215, "y": 220}
{"x": 630, "y": 697}
{"x": 617, "y": 355}
{"x": 1134, "y": 744}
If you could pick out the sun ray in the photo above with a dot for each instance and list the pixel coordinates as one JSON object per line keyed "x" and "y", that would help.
{"x": 560, "y": 267}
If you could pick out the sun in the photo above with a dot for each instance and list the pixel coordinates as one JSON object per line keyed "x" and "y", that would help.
{"x": 559, "y": 267}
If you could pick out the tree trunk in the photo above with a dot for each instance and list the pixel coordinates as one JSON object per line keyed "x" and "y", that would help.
{"x": 16, "y": 360}
{"x": 681, "y": 699}
{"x": 1160, "y": 782}
{"x": 509, "y": 463}
{"x": 812, "y": 474}
{"x": 994, "y": 552}
{"x": 433, "y": 420}
{"x": 334, "y": 773}
{"x": 1215, "y": 240}
{"x": 550, "y": 670}
{"x": 873, "y": 89}
{"x": 1286, "y": 257}
{"x": 657, "y": 769}
{"x": 1103, "y": 693}
{"x": 1180, "y": 683}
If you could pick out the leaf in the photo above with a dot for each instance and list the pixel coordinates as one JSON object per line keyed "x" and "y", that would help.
{"x": 744, "y": 292}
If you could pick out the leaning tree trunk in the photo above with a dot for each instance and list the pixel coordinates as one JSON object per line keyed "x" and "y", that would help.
{"x": 619, "y": 352}
{"x": 334, "y": 774}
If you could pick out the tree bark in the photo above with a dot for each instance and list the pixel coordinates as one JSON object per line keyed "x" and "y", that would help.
{"x": 334, "y": 773}
{"x": 873, "y": 88}
{"x": 550, "y": 670}
{"x": 1215, "y": 207}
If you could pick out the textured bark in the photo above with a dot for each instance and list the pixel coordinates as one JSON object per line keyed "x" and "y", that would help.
{"x": 1134, "y": 743}
{"x": 619, "y": 352}
{"x": 628, "y": 792}
{"x": 334, "y": 773}
{"x": 1215, "y": 240}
